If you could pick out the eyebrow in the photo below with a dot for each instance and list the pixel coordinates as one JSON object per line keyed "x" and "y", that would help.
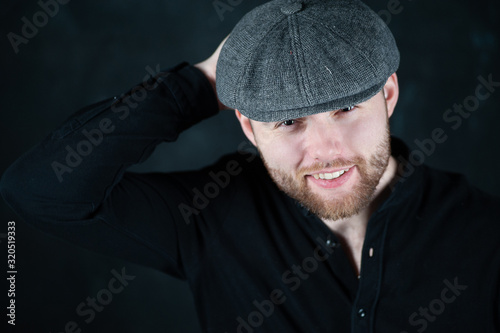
{"x": 266, "y": 124}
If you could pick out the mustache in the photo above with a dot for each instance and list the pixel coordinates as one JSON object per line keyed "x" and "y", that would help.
{"x": 338, "y": 163}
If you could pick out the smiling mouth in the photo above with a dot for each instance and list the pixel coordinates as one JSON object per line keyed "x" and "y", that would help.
{"x": 331, "y": 175}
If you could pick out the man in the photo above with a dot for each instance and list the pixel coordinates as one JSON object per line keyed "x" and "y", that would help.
{"x": 323, "y": 232}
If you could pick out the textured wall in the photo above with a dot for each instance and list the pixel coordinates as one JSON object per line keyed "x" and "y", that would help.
{"x": 91, "y": 50}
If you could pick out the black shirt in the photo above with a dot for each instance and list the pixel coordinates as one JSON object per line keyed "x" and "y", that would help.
{"x": 255, "y": 260}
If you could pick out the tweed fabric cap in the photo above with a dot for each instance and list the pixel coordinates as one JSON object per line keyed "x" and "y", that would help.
{"x": 289, "y": 59}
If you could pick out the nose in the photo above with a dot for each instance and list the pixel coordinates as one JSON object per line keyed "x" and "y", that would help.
{"x": 323, "y": 141}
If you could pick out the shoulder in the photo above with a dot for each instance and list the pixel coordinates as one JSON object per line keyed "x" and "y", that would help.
{"x": 436, "y": 191}
{"x": 455, "y": 188}
{"x": 451, "y": 199}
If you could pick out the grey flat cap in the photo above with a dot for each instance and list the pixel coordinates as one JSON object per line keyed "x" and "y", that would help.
{"x": 289, "y": 59}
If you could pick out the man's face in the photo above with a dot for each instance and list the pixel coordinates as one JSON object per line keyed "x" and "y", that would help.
{"x": 330, "y": 162}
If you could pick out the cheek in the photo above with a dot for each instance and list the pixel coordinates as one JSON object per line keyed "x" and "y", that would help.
{"x": 281, "y": 152}
{"x": 364, "y": 136}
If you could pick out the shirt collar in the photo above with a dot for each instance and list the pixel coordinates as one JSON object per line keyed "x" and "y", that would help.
{"x": 408, "y": 177}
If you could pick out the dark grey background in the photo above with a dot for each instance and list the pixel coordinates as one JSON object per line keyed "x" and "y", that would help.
{"x": 94, "y": 49}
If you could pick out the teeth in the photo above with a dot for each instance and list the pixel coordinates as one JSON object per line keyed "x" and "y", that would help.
{"x": 332, "y": 175}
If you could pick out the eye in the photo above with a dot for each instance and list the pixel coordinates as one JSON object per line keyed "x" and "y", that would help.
{"x": 347, "y": 109}
{"x": 286, "y": 123}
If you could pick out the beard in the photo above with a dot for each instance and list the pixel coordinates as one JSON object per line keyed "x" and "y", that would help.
{"x": 370, "y": 171}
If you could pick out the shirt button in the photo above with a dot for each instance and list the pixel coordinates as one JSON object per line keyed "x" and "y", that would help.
{"x": 361, "y": 313}
{"x": 331, "y": 243}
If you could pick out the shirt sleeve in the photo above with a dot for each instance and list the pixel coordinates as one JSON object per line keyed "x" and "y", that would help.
{"x": 73, "y": 184}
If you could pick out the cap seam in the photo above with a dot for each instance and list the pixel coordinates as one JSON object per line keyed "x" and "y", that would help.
{"x": 250, "y": 55}
{"x": 293, "y": 30}
{"x": 341, "y": 36}
{"x": 306, "y": 73}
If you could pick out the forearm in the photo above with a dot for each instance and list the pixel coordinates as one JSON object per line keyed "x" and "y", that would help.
{"x": 73, "y": 170}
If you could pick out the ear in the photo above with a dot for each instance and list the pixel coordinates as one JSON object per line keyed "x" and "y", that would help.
{"x": 246, "y": 126}
{"x": 391, "y": 93}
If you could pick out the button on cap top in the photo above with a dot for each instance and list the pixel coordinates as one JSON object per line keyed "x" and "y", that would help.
{"x": 291, "y": 8}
